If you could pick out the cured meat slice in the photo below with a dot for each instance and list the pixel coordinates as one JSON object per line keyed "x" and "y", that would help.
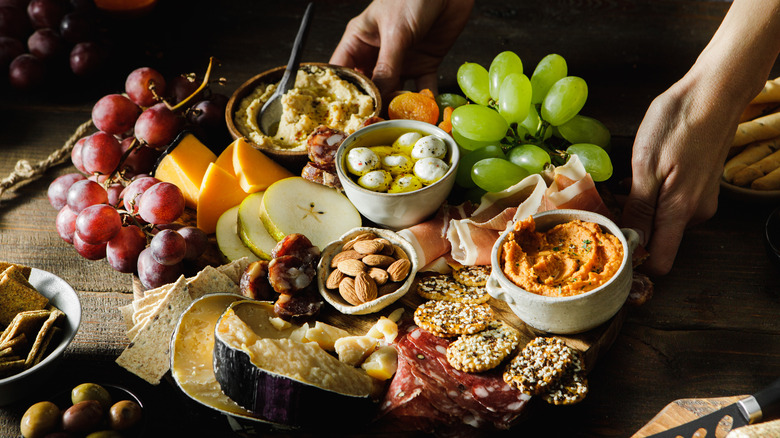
{"x": 429, "y": 237}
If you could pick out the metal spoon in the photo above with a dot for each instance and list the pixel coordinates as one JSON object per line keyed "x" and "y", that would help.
{"x": 271, "y": 112}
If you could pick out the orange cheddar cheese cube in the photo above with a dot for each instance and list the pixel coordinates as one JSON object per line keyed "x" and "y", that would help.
{"x": 254, "y": 170}
{"x": 219, "y": 192}
{"x": 225, "y": 160}
{"x": 184, "y": 165}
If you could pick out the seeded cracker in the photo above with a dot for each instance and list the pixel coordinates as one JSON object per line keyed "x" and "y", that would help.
{"x": 449, "y": 318}
{"x": 471, "y": 275}
{"x": 571, "y": 388}
{"x": 211, "y": 281}
{"x": 484, "y": 350}
{"x": 16, "y": 295}
{"x": 444, "y": 288}
{"x": 539, "y": 365}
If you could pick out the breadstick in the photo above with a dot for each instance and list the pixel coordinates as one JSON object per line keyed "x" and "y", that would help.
{"x": 751, "y": 154}
{"x": 758, "y": 110}
{"x": 762, "y": 128}
{"x": 770, "y": 181}
{"x": 758, "y": 169}
{"x": 770, "y": 92}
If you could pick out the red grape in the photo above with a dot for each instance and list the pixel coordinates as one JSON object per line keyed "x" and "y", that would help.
{"x": 84, "y": 193}
{"x": 140, "y": 161}
{"x": 123, "y": 250}
{"x": 197, "y": 242}
{"x": 14, "y": 22}
{"x": 66, "y": 224}
{"x": 98, "y": 223}
{"x": 86, "y": 58}
{"x": 58, "y": 189}
{"x": 115, "y": 192}
{"x": 210, "y": 113}
{"x": 134, "y": 190}
{"x": 47, "y": 45}
{"x": 153, "y": 274}
{"x": 75, "y": 154}
{"x": 139, "y": 83}
{"x": 168, "y": 247}
{"x": 181, "y": 87}
{"x": 115, "y": 114}
{"x": 101, "y": 153}
{"x": 88, "y": 250}
{"x": 26, "y": 72}
{"x": 10, "y": 48}
{"x": 157, "y": 126}
{"x": 75, "y": 27}
{"x": 46, "y": 13}
{"x": 161, "y": 203}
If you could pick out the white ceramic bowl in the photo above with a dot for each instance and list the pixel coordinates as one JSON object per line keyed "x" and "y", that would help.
{"x": 396, "y": 210}
{"x": 574, "y": 314}
{"x": 62, "y": 296}
{"x": 335, "y": 299}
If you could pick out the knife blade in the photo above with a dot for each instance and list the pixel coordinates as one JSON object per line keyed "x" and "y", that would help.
{"x": 746, "y": 411}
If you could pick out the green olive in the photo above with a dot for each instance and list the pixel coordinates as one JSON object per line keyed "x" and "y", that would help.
{"x": 40, "y": 419}
{"x": 105, "y": 434}
{"x": 91, "y": 391}
{"x": 124, "y": 415}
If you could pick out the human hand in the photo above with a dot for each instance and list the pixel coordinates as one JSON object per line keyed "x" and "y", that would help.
{"x": 395, "y": 40}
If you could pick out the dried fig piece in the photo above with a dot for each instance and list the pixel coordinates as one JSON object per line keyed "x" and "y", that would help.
{"x": 288, "y": 274}
{"x": 302, "y": 306}
{"x": 299, "y": 246}
{"x": 254, "y": 282}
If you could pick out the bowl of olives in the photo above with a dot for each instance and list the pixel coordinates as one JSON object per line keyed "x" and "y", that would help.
{"x": 103, "y": 410}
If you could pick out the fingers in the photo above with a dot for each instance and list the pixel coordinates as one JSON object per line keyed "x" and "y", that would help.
{"x": 387, "y": 72}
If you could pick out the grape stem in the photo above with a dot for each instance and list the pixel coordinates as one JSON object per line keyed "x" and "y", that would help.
{"x": 198, "y": 90}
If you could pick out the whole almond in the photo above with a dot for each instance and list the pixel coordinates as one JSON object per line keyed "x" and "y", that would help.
{"x": 334, "y": 279}
{"x": 347, "y": 291}
{"x": 389, "y": 248}
{"x": 400, "y": 253}
{"x": 362, "y": 236}
{"x": 379, "y": 275}
{"x": 345, "y": 255}
{"x": 399, "y": 269}
{"x": 351, "y": 267}
{"x": 365, "y": 288}
{"x": 378, "y": 260}
{"x": 372, "y": 246}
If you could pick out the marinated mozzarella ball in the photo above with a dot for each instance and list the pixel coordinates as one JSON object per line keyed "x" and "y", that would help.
{"x": 430, "y": 169}
{"x": 397, "y": 164}
{"x": 405, "y": 183}
{"x": 429, "y": 146}
{"x": 405, "y": 142}
{"x": 376, "y": 180}
{"x": 361, "y": 160}
{"x": 382, "y": 151}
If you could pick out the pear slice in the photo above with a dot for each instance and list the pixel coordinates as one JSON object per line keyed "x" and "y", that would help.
{"x": 295, "y": 205}
{"x": 229, "y": 243}
{"x": 251, "y": 229}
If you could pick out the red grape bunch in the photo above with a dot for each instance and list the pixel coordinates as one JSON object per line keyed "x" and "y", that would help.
{"x": 112, "y": 208}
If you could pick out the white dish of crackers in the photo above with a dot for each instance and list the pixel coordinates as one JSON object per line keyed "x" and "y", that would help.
{"x": 40, "y": 314}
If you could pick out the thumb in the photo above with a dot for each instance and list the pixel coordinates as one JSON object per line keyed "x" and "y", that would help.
{"x": 389, "y": 63}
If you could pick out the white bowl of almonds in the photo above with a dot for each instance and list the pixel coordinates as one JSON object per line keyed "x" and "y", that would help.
{"x": 366, "y": 270}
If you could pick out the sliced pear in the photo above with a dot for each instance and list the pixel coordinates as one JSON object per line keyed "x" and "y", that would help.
{"x": 251, "y": 229}
{"x": 295, "y": 205}
{"x": 229, "y": 243}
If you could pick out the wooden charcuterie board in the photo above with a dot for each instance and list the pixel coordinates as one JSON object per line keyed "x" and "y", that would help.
{"x": 684, "y": 410}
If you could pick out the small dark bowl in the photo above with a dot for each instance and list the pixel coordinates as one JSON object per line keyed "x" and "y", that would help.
{"x": 293, "y": 160}
{"x": 772, "y": 234}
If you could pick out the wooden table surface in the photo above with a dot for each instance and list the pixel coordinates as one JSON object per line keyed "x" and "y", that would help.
{"x": 711, "y": 329}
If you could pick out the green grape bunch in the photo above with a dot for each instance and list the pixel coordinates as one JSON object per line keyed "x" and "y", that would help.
{"x": 510, "y": 126}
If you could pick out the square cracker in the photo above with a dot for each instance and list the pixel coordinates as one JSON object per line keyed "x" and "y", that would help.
{"x": 151, "y": 295}
{"x": 25, "y": 270}
{"x": 43, "y": 337}
{"x": 11, "y": 367}
{"x": 16, "y": 343}
{"x": 48, "y": 341}
{"x": 235, "y": 269}
{"x": 210, "y": 281}
{"x": 25, "y": 322}
{"x": 16, "y": 296}
{"x": 148, "y": 356}
{"x": 127, "y": 315}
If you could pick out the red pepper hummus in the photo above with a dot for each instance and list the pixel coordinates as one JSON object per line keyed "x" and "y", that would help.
{"x": 568, "y": 259}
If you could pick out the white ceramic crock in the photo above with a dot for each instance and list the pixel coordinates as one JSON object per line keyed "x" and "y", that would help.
{"x": 574, "y": 314}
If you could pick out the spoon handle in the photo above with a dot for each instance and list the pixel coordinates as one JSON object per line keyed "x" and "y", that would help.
{"x": 288, "y": 80}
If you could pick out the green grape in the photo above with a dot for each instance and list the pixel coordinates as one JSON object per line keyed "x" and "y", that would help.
{"x": 594, "y": 158}
{"x": 530, "y": 157}
{"x": 532, "y": 123}
{"x": 450, "y": 99}
{"x": 514, "y": 99}
{"x": 473, "y": 80}
{"x": 475, "y": 126}
{"x": 504, "y": 64}
{"x": 467, "y": 160}
{"x": 549, "y": 70}
{"x": 584, "y": 129}
{"x": 564, "y": 100}
{"x": 495, "y": 174}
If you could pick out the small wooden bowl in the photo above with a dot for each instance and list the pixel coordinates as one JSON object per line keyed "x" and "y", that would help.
{"x": 293, "y": 160}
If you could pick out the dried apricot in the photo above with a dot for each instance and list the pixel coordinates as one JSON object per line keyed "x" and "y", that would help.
{"x": 414, "y": 106}
{"x": 446, "y": 123}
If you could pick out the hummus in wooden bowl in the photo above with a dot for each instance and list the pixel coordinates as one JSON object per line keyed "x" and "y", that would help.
{"x": 563, "y": 271}
{"x": 323, "y": 94}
